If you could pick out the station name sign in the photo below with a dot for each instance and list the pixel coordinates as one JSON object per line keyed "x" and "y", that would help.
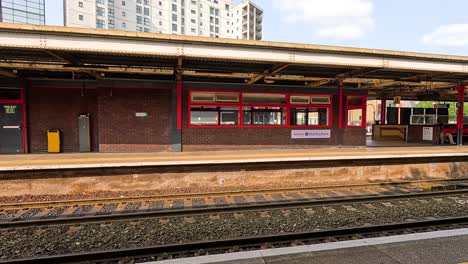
{"x": 310, "y": 134}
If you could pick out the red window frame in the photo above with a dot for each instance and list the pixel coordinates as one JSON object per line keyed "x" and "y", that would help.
{"x": 240, "y": 106}
{"x": 328, "y": 106}
{"x": 215, "y": 104}
{"x": 362, "y": 106}
{"x": 284, "y": 106}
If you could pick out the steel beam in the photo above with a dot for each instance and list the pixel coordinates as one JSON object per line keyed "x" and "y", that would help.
{"x": 225, "y": 52}
{"x": 427, "y": 76}
{"x": 64, "y": 57}
{"x": 244, "y": 76}
{"x": 351, "y": 74}
{"x": 275, "y": 69}
{"x": 318, "y": 83}
{"x": 65, "y": 68}
{"x": 8, "y": 73}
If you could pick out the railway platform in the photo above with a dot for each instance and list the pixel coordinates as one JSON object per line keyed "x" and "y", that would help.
{"x": 113, "y": 160}
{"x": 45, "y": 175}
{"x": 433, "y": 247}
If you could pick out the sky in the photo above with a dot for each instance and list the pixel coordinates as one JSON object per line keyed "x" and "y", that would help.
{"x": 432, "y": 26}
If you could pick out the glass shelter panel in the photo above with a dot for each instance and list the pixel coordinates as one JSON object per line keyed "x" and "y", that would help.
{"x": 214, "y": 116}
{"x": 311, "y": 116}
{"x": 264, "y": 116}
{"x": 355, "y": 117}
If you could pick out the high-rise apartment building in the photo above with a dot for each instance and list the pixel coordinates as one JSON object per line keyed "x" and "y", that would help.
{"x": 210, "y": 18}
{"x": 247, "y": 21}
{"x": 22, "y": 11}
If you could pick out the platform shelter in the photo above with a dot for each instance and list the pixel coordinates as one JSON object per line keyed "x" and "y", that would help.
{"x": 116, "y": 91}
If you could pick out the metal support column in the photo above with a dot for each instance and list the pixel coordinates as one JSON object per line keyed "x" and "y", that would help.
{"x": 340, "y": 114}
{"x": 460, "y": 119}
{"x": 383, "y": 110}
{"x": 177, "y": 116}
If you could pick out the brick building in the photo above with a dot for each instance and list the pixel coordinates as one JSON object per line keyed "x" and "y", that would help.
{"x": 139, "y": 117}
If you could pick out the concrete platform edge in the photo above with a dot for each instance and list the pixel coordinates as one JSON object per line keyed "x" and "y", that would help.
{"x": 315, "y": 248}
{"x": 221, "y": 161}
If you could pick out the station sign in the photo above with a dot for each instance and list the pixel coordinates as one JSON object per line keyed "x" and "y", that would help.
{"x": 298, "y": 134}
{"x": 141, "y": 114}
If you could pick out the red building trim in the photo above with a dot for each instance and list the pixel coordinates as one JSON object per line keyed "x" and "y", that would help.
{"x": 340, "y": 112}
{"x": 179, "y": 105}
{"x": 461, "y": 102}
{"x": 362, "y": 106}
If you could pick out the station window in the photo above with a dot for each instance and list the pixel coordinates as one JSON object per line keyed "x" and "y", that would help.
{"x": 201, "y": 97}
{"x": 300, "y": 99}
{"x": 237, "y": 109}
{"x": 307, "y": 99}
{"x": 355, "y": 108}
{"x": 310, "y": 110}
{"x": 320, "y": 100}
{"x": 264, "y": 116}
{"x": 310, "y": 116}
{"x": 259, "y": 98}
{"x": 214, "y": 116}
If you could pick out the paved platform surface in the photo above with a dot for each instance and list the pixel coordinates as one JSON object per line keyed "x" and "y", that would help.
{"x": 102, "y": 160}
{"x": 441, "y": 247}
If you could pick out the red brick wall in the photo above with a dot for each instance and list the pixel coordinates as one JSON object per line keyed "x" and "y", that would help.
{"x": 115, "y": 128}
{"x": 58, "y": 108}
{"x": 247, "y": 138}
{"x": 354, "y": 137}
{"x": 121, "y": 131}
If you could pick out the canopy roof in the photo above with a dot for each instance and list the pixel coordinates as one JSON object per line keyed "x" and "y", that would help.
{"x": 30, "y": 51}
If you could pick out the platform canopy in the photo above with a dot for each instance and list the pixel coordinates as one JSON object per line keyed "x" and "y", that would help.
{"x": 30, "y": 51}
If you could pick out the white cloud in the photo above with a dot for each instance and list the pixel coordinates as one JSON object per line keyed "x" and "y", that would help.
{"x": 454, "y": 35}
{"x": 336, "y": 19}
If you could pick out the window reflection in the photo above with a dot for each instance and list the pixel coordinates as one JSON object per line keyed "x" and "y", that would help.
{"x": 266, "y": 116}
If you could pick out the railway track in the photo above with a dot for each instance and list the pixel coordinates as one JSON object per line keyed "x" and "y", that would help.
{"x": 229, "y": 209}
{"x": 348, "y": 211}
{"x": 428, "y": 184}
{"x": 154, "y": 205}
{"x": 135, "y": 255}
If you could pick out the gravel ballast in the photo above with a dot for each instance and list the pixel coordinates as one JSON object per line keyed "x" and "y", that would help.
{"x": 67, "y": 239}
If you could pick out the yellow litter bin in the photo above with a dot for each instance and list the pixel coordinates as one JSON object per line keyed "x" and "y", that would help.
{"x": 53, "y": 141}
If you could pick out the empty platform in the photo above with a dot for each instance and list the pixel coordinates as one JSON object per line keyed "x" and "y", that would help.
{"x": 111, "y": 160}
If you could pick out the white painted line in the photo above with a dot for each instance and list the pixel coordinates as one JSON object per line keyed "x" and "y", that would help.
{"x": 315, "y": 248}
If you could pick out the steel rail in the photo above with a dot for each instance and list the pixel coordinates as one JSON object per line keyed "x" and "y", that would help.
{"x": 246, "y": 242}
{"x": 105, "y": 200}
{"x": 224, "y": 209}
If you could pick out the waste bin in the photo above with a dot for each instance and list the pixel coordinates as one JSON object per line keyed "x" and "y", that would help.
{"x": 53, "y": 141}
